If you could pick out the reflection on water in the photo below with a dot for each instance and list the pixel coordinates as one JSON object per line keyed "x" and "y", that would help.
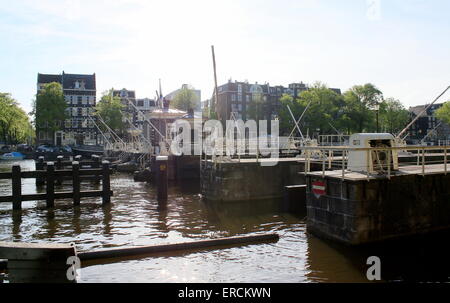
{"x": 134, "y": 218}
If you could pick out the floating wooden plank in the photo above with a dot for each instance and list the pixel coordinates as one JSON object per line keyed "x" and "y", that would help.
{"x": 202, "y": 244}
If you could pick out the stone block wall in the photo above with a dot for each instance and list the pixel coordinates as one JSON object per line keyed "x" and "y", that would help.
{"x": 247, "y": 181}
{"x": 357, "y": 212}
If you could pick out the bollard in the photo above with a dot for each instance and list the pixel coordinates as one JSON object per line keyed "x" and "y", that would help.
{"x": 76, "y": 182}
{"x": 50, "y": 184}
{"x": 106, "y": 196}
{"x": 40, "y": 167}
{"x": 16, "y": 187}
{"x": 161, "y": 177}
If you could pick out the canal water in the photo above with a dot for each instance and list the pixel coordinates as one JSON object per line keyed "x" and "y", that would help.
{"x": 133, "y": 219}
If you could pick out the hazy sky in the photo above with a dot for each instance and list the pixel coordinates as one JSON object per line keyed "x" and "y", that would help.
{"x": 402, "y": 46}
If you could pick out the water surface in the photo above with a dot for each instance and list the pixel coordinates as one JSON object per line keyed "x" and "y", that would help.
{"x": 134, "y": 218}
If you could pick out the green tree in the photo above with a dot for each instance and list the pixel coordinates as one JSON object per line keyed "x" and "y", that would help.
{"x": 257, "y": 107}
{"x": 15, "y": 126}
{"x": 322, "y": 114}
{"x": 49, "y": 108}
{"x": 109, "y": 108}
{"x": 323, "y": 110}
{"x": 186, "y": 99}
{"x": 443, "y": 113}
{"x": 393, "y": 115}
{"x": 358, "y": 112}
{"x": 208, "y": 110}
{"x": 286, "y": 123}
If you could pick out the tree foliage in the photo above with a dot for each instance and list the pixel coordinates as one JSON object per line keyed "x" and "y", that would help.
{"x": 15, "y": 126}
{"x": 360, "y": 101}
{"x": 393, "y": 116}
{"x": 186, "y": 99}
{"x": 322, "y": 106}
{"x": 352, "y": 112}
{"x": 49, "y": 108}
{"x": 109, "y": 109}
{"x": 443, "y": 113}
{"x": 256, "y": 109}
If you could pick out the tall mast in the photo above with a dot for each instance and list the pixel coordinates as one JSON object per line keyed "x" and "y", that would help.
{"x": 215, "y": 80}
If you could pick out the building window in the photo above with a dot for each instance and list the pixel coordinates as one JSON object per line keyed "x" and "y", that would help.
{"x": 80, "y": 99}
{"x": 140, "y": 103}
{"x": 233, "y": 97}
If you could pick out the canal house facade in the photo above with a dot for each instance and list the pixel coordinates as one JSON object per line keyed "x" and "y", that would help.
{"x": 80, "y": 95}
{"x": 427, "y": 126}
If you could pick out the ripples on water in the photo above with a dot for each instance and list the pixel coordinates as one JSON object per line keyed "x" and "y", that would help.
{"x": 134, "y": 219}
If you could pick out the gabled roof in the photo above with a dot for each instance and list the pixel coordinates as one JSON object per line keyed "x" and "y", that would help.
{"x": 47, "y": 78}
{"x": 416, "y": 110}
{"x": 70, "y": 79}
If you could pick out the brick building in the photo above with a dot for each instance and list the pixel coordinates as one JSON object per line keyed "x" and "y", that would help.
{"x": 237, "y": 96}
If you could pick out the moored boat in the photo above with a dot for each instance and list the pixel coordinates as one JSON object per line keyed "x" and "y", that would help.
{"x": 12, "y": 156}
{"x": 88, "y": 150}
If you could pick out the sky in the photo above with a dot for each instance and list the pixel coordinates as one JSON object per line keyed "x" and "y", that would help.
{"x": 401, "y": 46}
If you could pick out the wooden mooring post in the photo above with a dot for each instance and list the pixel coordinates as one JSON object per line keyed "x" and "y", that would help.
{"x": 106, "y": 195}
{"x": 50, "y": 183}
{"x": 39, "y": 167}
{"x": 50, "y": 176}
{"x": 161, "y": 179}
{"x": 16, "y": 187}
{"x": 76, "y": 182}
{"x": 59, "y": 166}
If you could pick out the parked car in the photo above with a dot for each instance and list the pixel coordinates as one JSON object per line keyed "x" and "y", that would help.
{"x": 45, "y": 148}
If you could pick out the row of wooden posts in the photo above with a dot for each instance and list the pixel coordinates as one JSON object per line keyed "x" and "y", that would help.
{"x": 46, "y": 173}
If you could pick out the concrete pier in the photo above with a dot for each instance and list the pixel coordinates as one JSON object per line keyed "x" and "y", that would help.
{"x": 39, "y": 262}
{"x": 247, "y": 179}
{"x": 357, "y": 209}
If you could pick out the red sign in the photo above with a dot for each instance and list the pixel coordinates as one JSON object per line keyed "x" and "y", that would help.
{"x": 318, "y": 188}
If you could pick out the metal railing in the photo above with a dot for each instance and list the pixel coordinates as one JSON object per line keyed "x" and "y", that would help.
{"x": 333, "y": 140}
{"x": 417, "y": 161}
